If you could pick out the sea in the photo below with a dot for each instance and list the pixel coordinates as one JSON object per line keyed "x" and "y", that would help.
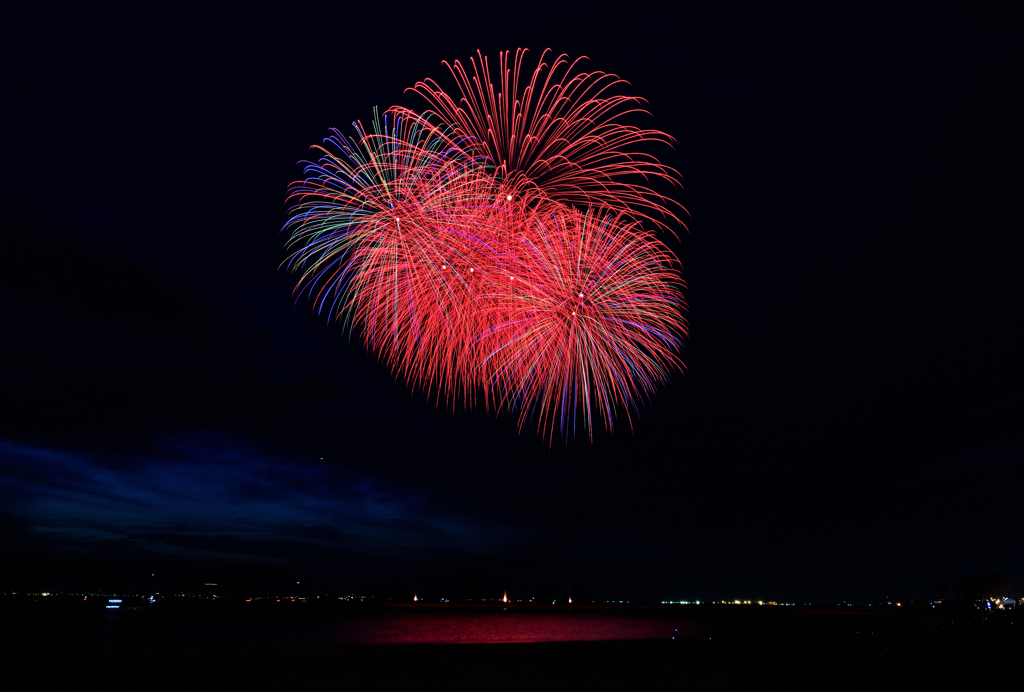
{"x": 380, "y": 625}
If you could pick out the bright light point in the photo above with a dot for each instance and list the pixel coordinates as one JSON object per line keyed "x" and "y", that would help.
{"x": 444, "y": 266}
{"x": 509, "y": 198}
{"x": 471, "y": 269}
{"x": 581, "y": 295}
{"x": 574, "y": 313}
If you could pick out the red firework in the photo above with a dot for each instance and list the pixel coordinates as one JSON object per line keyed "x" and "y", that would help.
{"x": 387, "y": 229}
{"x": 556, "y": 132}
{"x": 589, "y": 319}
{"x": 503, "y": 251}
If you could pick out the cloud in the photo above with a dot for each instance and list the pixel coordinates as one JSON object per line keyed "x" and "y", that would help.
{"x": 210, "y": 496}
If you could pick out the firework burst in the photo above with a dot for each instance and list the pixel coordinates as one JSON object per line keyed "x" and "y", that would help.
{"x": 556, "y": 132}
{"x": 588, "y": 321}
{"x": 384, "y": 232}
{"x": 497, "y": 246}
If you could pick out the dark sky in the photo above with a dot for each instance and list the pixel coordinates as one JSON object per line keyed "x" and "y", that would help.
{"x": 849, "y": 425}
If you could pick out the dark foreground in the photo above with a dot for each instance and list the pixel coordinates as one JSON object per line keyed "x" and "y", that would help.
{"x": 723, "y": 649}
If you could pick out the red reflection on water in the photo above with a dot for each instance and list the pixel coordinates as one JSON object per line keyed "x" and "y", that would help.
{"x": 445, "y": 626}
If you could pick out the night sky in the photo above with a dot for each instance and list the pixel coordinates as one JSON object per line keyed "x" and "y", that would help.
{"x": 849, "y": 425}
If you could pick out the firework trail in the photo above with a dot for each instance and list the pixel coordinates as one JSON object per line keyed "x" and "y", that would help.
{"x": 497, "y": 245}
